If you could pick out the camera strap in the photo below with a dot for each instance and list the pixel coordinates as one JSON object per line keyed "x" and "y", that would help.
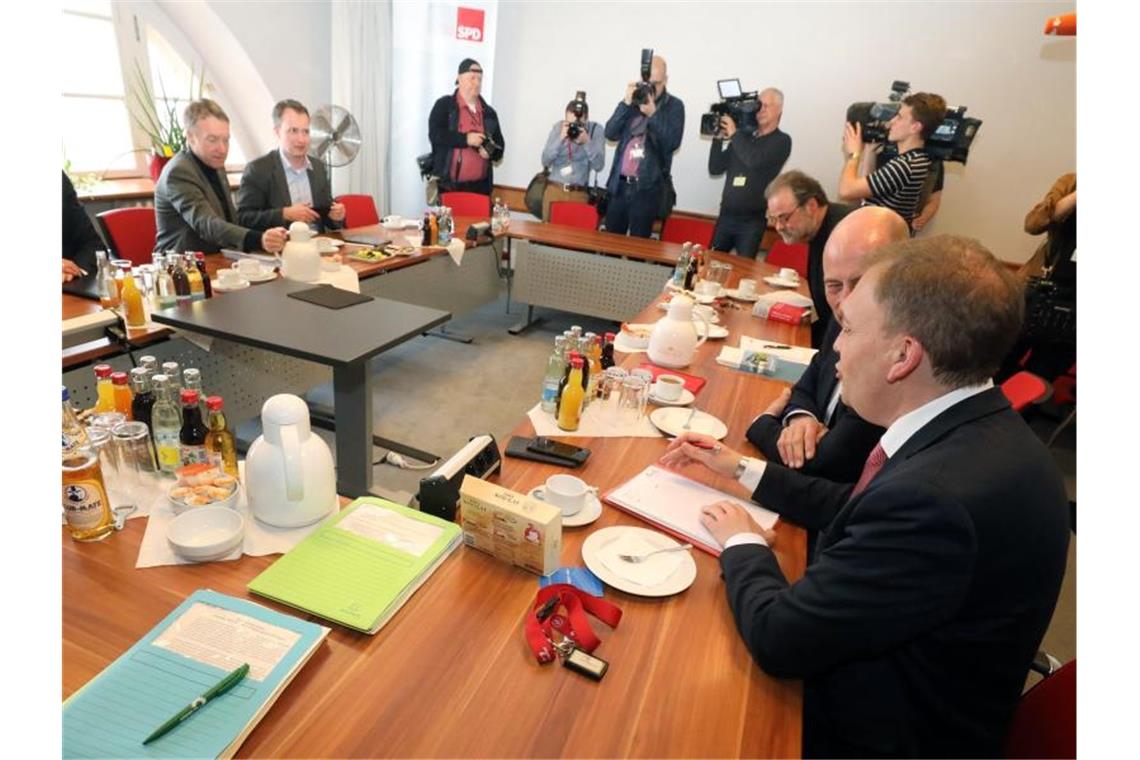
{"x": 561, "y": 607}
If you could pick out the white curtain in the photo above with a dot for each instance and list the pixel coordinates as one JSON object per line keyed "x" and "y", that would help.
{"x": 361, "y": 75}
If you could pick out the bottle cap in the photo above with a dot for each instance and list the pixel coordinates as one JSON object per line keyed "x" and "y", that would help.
{"x": 103, "y": 370}
{"x": 214, "y": 403}
{"x": 140, "y": 372}
{"x": 576, "y": 362}
{"x": 119, "y": 378}
{"x": 200, "y": 256}
{"x": 189, "y": 396}
{"x": 610, "y": 337}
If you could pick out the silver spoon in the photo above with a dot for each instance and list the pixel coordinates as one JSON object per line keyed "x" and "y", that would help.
{"x": 635, "y": 558}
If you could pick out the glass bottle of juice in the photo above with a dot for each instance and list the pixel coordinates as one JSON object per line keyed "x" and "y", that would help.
{"x": 85, "y": 503}
{"x": 197, "y": 289}
{"x": 174, "y": 376}
{"x": 570, "y": 356}
{"x": 165, "y": 294}
{"x": 192, "y": 436}
{"x": 108, "y": 290}
{"x": 220, "y": 444}
{"x": 182, "y": 292}
{"x": 122, "y": 393}
{"x": 607, "y": 359}
{"x": 570, "y": 405}
{"x": 105, "y": 401}
{"x": 200, "y": 263}
{"x": 192, "y": 380}
{"x": 150, "y": 364}
{"x": 593, "y": 364}
{"x": 142, "y": 404}
{"x": 555, "y": 369}
{"x": 133, "y": 301}
{"x": 74, "y": 434}
{"x": 166, "y": 426}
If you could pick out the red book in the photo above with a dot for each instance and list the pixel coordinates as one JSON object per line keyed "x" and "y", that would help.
{"x": 783, "y": 312}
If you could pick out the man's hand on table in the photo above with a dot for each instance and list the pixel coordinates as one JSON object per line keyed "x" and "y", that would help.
{"x": 724, "y": 519}
{"x": 273, "y": 239}
{"x": 337, "y": 212}
{"x": 71, "y": 270}
{"x": 688, "y": 448}
{"x": 300, "y": 212}
{"x": 798, "y": 441}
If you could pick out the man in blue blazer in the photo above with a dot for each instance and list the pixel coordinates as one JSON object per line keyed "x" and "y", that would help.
{"x": 285, "y": 185}
{"x": 936, "y": 574}
{"x": 809, "y": 427}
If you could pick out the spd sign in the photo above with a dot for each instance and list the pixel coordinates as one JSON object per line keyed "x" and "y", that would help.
{"x": 469, "y": 25}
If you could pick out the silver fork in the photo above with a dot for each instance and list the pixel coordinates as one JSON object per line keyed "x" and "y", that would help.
{"x": 635, "y": 558}
{"x": 689, "y": 419}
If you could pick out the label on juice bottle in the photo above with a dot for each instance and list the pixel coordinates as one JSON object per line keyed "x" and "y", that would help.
{"x": 167, "y": 446}
{"x": 84, "y": 504}
{"x": 194, "y": 454}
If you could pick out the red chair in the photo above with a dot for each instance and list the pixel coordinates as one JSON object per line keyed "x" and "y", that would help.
{"x": 1045, "y": 721}
{"x": 793, "y": 255}
{"x": 467, "y": 204}
{"x": 131, "y": 233}
{"x": 1023, "y": 389}
{"x": 574, "y": 214}
{"x": 359, "y": 210}
{"x": 680, "y": 229}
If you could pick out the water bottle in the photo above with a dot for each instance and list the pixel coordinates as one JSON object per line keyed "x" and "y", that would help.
{"x": 682, "y": 267}
{"x": 555, "y": 368}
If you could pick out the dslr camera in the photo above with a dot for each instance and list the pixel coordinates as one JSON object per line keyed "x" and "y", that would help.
{"x": 741, "y": 107}
{"x": 644, "y": 91}
{"x": 950, "y": 142}
{"x": 578, "y": 109}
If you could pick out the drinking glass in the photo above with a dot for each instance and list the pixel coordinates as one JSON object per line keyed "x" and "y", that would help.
{"x": 135, "y": 460}
{"x": 718, "y": 272}
{"x": 103, "y": 445}
{"x": 631, "y": 404}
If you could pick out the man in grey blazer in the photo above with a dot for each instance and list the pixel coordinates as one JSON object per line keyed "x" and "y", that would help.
{"x": 192, "y": 206}
{"x": 284, "y": 186}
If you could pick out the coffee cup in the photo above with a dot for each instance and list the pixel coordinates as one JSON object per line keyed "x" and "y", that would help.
{"x": 789, "y": 274}
{"x": 708, "y": 288}
{"x": 566, "y": 492}
{"x": 746, "y": 287}
{"x": 248, "y": 267}
{"x": 668, "y": 387}
{"x": 230, "y": 278}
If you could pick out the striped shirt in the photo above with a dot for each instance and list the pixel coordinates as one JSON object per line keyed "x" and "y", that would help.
{"x": 897, "y": 184}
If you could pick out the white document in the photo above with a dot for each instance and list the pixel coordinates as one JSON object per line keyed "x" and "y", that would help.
{"x": 596, "y": 422}
{"x": 391, "y": 529}
{"x": 674, "y": 502}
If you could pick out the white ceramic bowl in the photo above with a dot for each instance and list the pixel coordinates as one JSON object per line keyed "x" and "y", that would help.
{"x": 636, "y": 341}
{"x": 180, "y": 506}
{"x": 207, "y": 533}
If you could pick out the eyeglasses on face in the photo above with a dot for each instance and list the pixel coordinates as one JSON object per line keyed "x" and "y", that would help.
{"x": 782, "y": 219}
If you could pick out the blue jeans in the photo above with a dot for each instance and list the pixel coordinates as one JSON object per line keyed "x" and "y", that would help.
{"x": 742, "y": 233}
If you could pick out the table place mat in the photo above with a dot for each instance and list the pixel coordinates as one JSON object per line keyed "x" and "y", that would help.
{"x": 330, "y": 297}
{"x": 692, "y": 382}
{"x": 594, "y": 424}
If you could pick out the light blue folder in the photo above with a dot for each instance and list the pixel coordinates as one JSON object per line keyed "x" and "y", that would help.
{"x": 112, "y": 714}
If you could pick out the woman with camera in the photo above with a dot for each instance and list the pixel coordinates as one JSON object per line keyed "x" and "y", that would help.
{"x": 576, "y": 146}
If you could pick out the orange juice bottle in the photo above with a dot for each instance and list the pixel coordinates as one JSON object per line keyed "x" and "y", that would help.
{"x": 570, "y": 405}
{"x": 133, "y": 302}
{"x": 106, "y": 392}
{"x": 122, "y": 267}
{"x": 122, "y": 392}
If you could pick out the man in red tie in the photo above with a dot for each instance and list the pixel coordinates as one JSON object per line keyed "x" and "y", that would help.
{"x": 935, "y": 576}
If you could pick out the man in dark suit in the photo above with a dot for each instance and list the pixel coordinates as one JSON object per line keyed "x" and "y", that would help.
{"x": 80, "y": 240}
{"x": 809, "y": 427}
{"x": 936, "y": 574}
{"x": 284, "y": 185}
{"x": 192, "y": 206}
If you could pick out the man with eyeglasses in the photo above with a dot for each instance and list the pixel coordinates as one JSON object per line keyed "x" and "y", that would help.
{"x": 647, "y": 135}
{"x": 193, "y": 210}
{"x": 751, "y": 161}
{"x": 465, "y": 136}
{"x": 799, "y": 211}
{"x": 284, "y": 186}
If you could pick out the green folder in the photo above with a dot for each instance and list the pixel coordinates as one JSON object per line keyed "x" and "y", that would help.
{"x": 359, "y": 568}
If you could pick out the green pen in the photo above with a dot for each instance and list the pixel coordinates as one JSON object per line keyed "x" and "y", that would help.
{"x": 219, "y": 689}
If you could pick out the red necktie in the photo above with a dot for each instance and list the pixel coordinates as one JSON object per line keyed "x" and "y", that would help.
{"x": 875, "y": 462}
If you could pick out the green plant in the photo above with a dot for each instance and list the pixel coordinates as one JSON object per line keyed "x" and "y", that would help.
{"x": 163, "y": 128}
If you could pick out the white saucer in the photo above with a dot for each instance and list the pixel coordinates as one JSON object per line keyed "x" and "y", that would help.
{"x": 670, "y": 420}
{"x": 736, "y": 294}
{"x": 589, "y": 512}
{"x": 703, "y": 299}
{"x": 269, "y": 274}
{"x": 686, "y": 399}
{"x": 716, "y": 332}
{"x": 327, "y": 242}
{"x": 678, "y": 581}
{"x": 218, "y": 286}
{"x": 777, "y": 282}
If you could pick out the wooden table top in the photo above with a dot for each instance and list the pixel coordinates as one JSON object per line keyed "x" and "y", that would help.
{"x": 451, "y": 674}
{"x": 576, "y": 238}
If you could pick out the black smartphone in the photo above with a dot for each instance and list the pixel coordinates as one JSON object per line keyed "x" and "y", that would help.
{"x": 517, "y": 447}
{"x": 549, "y": 446}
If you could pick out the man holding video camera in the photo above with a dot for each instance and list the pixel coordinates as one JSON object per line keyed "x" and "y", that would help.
{"x": 465, "y": 135}
{"x": 751, "y": 159}
{"x": 647, "y": 124}
{"x": 898, "y": 183}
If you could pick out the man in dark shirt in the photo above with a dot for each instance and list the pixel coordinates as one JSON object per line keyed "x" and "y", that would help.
{"x": 80, "y": 240}
{"x": 799, "y": 211}
{"x": 751, "y": 162}
{"x": 192, "y": 205}
{"x": 466, "y": 140}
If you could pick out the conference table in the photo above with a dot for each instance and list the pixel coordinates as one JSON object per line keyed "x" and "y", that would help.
{"x": 451, "y": 674}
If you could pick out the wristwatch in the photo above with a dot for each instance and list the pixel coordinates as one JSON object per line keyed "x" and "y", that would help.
{"x": 739, "y": 469}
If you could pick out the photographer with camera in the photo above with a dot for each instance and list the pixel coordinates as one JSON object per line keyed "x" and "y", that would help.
{"x": 751, "y": 159}
{"x": 647, "y": 124}
{"x": 576, "y": 146}
{"x": 464, "y": 134}
{"x": 899, "y": 182}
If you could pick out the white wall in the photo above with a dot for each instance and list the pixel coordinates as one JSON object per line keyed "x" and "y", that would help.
{"x": 990, "y": 57}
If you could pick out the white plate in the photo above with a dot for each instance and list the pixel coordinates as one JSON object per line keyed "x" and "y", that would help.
{"x": 218, "y": 286}
{"x": 686, "y": 399}
{"x": 625, "y": 348}
{"x": 680, "y": 580}
{"x": 716, "y": 332}
{"x": 713, "y": 316}
{"x": 777, "y": 282}
{"x": 734, "y": 293}
{"x": 266, "y": 275}
{"x": 589, "y": 512}
{"x": 326, "y": 242}
{"x": 671, "y": 420}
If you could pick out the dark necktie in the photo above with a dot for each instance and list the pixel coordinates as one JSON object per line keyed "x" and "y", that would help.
{"x": 875, "y": 462}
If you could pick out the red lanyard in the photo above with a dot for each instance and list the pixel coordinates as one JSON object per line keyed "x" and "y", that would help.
{"x": 573, "y": 624}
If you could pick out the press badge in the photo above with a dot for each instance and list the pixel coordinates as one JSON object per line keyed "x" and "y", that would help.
{"x": 739, "y": 181}
{"x": 567, "y": 170}
{"x": 637, "y": 153}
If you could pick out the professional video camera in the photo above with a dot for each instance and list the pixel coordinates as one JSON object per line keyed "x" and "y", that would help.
{"x": 644, "y": 90}
{"x": 741, "y": 107}
{"x": 578, "y": 109}
{"x": 950, "y": 141}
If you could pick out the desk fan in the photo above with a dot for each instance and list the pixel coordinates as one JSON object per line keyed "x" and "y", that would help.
{"x": 335, "y": 136}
